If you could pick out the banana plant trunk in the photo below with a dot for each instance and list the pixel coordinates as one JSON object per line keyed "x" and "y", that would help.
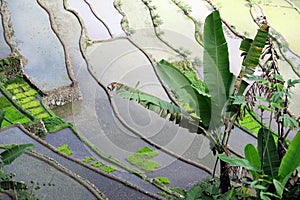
{"x": 224, "y": 177}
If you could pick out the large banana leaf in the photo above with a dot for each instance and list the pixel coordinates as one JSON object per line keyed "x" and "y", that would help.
{"x": 254, "y": 52}
{"x": 13, "y": 152}
{"x": 290, "y": 161}
{"x": 268, "y": 152}
{"x": 182, "y": 88}
{"x": 217, "y": 75}
{"x": 157, "y": 105}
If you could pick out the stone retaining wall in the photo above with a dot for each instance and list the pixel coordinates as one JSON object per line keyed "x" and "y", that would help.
{"x": 62, "y": 95}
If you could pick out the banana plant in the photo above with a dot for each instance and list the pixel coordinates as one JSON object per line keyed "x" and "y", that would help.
{"x": 210, "y": 108}
{"x": 264, "y": 163}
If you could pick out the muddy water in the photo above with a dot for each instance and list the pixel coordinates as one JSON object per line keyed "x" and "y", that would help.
{"x": 96, "y": 30}
{"x": 37, "y": 42}
{"x": 4, "y": 50}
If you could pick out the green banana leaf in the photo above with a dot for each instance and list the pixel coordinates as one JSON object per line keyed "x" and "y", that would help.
{"x": 217, "y": 75}
{"x": 184, "y": 92}
{"x": 290, "y": 161}
{"x": 157, "y": 105}
{"x": 254, "y": 52}
{"x": 13, "y": 152}
{"x": 268, "y": 153}
{"x": 2, "y": 113}
{"x": 239, "y": 162}
{"x": 252, "y": 156}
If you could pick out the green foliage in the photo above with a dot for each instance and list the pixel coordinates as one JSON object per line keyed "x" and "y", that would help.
{"x": 42, "y": 115}
{"x": 54, "y": 124}
{"x": 268, "y": 153}
{"x": 239, "y": 162}
{"x": 36, "y": 111}
{"x": 248, "y": 122}
{"x": 217, "y": 76}
{"x": 108, "y": 169}
{"x": 96, "y": 164}
{"x": 253, "y": 54}
{"x": 141, "y": 159}
{"x": 216, "y": 59}
{"x": 64, "y": 149}
{"x": 208, "y": 190}
{"x": 290, "y": 161}
{"x": 88, "y": 159}
{"x": 32, "y": 104}
{"x": 150, "y": 102}
{"x": 12, "y": 114}
{"x": 252, "y": 156}
{"x": 2, "y": 113}
{"x": 12, "y": 152}
{"x": 185, "y": 67}
{"x": 163, "y": 180}
{"x": 183, "y": 91}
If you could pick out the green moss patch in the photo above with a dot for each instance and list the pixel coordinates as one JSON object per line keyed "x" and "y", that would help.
{"x": 141, "y": 159}
{"x": 163, "y": 180}
{"x": 108, "y": 169}
{"x": 65, "y": 149}
{"x": 53, "y": 124}
{"x": 88, "y": 159}
{"x": 96, "y": 164}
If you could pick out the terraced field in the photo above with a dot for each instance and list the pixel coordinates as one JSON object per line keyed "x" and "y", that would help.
{"x": 95, "y": 144}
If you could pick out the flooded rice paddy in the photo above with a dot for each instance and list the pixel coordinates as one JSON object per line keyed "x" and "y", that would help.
{"x": 99, "y": 42}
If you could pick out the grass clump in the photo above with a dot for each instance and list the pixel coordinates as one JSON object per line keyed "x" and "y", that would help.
{"x": 96, "y": 164}
{"x": 141, "y": 159}
{"x": 163, "y": 180}
{"x": 108, "y": 169}
{"x": 88, "y": 159}
{"x": 64, "y": 149}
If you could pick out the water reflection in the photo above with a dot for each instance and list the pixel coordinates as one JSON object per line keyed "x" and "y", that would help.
{"x": 37, "y": 42}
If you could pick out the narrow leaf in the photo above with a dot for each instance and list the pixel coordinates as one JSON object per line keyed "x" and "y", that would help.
{"x": 9, "y": 155}
{"x": 254, "y": 53}
{"x": 290, "y": 161}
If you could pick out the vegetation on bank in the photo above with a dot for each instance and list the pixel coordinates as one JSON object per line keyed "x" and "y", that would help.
{"x": 141, "y": 159}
